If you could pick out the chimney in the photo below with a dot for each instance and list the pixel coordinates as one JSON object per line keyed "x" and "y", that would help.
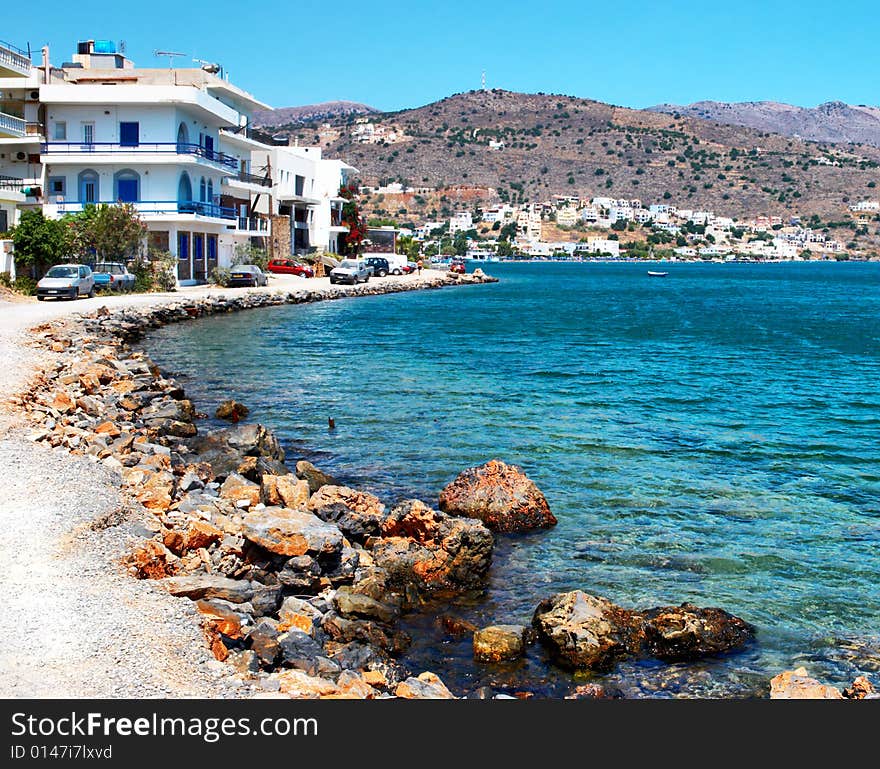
{"x": 47, "y": 67}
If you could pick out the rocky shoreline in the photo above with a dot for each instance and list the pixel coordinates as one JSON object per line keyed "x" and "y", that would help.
{"x": 300, "y": 582}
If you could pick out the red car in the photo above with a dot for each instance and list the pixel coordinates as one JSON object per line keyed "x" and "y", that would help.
{"x": 290, "y": 267}
{"x": 457, "y": 267}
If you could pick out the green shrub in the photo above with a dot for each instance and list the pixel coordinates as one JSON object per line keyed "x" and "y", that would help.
{"x": 5, "y": 280}
{"x": 154, "y": 271}
{"x": 220, "y": 276}
{"x": 245, "y": 253}
{"x": 26, "y": 285}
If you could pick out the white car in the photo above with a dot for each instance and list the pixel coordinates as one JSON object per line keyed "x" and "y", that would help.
{"x": 66, "y": 281}
{"x": 350, "y": 271}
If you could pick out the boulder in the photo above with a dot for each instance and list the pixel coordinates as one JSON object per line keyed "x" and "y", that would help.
{"x": 210, "y": 586}
{"x": 297, "y": 684}
{"x": 223, "y": 617}
{"x": 499, "y": 495}
{"x": 254, "y": 468}
{"x": 498, "y": 643}
{"x": 299, "y": 650}
{"x": 285, "y": 491}
{"x": 301, "y": 574}
{"x": 357, "y": 513}
{"x": 686, "y": 632}
{"x": 254, "y": 440}
{"x": 861, "y": 688}
{"x": 431, "y": 550}
{"x": 263, "y": 640}
{"x": 237, "y": 488}
{"x": 291, "y": 532}
{"x": 797, "y": 685}
{"x": 232, "y": 411}
{"x": 352, "y": 604}
{"x": 585, "y": 632}
{"x": 308, "y": 472}
{"x": 152, "y": 560}
{"x": 298, "y": 614}
{"x": 425, "y": 686}
{"x": 456, "y": 627}
{"x": 344, "y": 630}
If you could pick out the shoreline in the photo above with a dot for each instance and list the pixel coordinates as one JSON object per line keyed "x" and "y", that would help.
{"x": 98, "y": 531}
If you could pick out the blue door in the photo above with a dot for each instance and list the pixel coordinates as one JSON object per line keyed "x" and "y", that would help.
{"x": 209, "y": 147}
{"x": 129, "y": 134}
{"x": 127, "y": 191}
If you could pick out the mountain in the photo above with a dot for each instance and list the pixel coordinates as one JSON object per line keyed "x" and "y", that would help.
{"x": 833, "y": 121}
{"x": 292, "y": 116}
{"x": 556, "y": 144}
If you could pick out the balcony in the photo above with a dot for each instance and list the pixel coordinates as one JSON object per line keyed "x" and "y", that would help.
{"x": 12, "y": 126}
{"x": 14, "y": 61}
{"x": 79, "y": 149}
{"x": 170, "y": 208}
{"x": 263, "y": 181}
{"x": 253, "y": 224}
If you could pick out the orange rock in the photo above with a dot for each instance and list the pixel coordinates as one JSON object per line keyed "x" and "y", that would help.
{"x": 374, "y": 678}
{"x": 90, "y": 383}
{"x": 425, "y": 686}
{"x": 156, "y": 491}
{"x": 215, "y": 643}
{"x": 152, "y": 560}
{"x": 236, "y": 488}
{"x": 62, "y": 402}
{"x": 298, "y": 622}
{"x": 201, "y": 534}
{"x": 108, "y": 428}
{"x": 122, "y": 386}
{"x": 797, "y": 685}
{"x": 59, "y": 346}
{"x": 223, "y": 620}
{"x": 299, "y": 685}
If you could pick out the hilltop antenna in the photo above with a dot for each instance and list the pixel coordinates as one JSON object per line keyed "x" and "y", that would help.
{"x": 170, "y": 55}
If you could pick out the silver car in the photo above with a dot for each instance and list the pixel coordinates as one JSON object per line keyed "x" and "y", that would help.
{"x": 66, "y": 281}
{"x": 350, "y": 271}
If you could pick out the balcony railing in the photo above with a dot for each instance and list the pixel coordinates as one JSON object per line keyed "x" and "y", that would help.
{"x": 176, "y": 148}
{"x": 12, "y": 125}
{"x": 14, "y": 58}
{"x": 159, "y": 207}
{"x": 253, "y": 223}
{"x": 263, "y": 181}
{"x": 335, "y": 218}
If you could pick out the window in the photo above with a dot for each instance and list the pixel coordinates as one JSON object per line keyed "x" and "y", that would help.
{"x": 129, "y": 134}
{"x": 183, "y": 245}
{"x": 4, "y": 221}
{"x": 212, "y": 248}
{"x": 61, "y": 130}
{"x": 299, "y": 185}
{"x": 198, "y": 243}
{"x": 88, "y": 133}
{"x": 203, "y": 190}
{"x": 57, "y": 185}
{"x": 210, "y": 197}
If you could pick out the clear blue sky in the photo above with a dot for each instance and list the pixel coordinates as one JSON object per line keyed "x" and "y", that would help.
{"x": 395, "y": 54}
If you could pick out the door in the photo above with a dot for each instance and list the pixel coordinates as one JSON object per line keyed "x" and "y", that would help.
{"x": 198, "y": 248}
{"x": 88, "y": 189}
{"x": 129, "y": 134}
{"x": 184, "y": 268}
{"x": 212, "y": 254}
{"x": 209, "y": 147}
{"x": 127, "y": 191}
{"x": 88, "y": 135}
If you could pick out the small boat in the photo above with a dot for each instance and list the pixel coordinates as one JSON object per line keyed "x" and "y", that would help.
{"x": 652, "y": 274}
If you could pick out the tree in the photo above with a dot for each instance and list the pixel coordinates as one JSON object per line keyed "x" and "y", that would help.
{"x": 460, "y": 244}
{"x": 504, "y": 248}
{"x": 352, "y": 218}
{"x": 409, "y": 246}
{"x": 109, "y": 232}
{"x": 619, "y": 225}
{"x": 508, "y": 231}
{"x": 40, "y": 242}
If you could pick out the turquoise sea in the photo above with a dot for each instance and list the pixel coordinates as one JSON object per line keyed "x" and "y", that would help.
{"x": 713, "y": 436}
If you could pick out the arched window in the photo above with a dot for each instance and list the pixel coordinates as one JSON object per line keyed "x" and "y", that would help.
{"x": 127, "y": 186}
{"x": 210, "y": 197}
{"x": 182, "y": 136}
{"x": 202, "y": 190}
{"x": 89, "y": 187}
{"x": 184, "y": 194}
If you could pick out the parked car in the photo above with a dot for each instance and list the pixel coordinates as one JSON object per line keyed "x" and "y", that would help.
{"x": 457, "y": 266}
{"x": 290, "y": 267}
{"x": 66, "y": 281}
{"x": 410, "y": 267}
{"x": 247, "y": 275}
{"x": 113, "y": 276}
{"x": 379, "y": 266}
{"x": 350, "y": 271}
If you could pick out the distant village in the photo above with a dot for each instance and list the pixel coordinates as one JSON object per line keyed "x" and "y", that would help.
{"x": 616, "y": 228}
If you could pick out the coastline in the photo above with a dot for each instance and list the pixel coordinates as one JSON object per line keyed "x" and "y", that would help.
{"x": 122, "y": 637}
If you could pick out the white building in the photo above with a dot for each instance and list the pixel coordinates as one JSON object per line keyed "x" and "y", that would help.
{"x": 599, "y": 246}
{"x": 173, "y": 142}
{"x": 304, "y": 201}
{"x": 21, "y": 131}
{"x": 567, "y": 216}
{"x": 462, "y": 221}
{"x": 528, "y": 223}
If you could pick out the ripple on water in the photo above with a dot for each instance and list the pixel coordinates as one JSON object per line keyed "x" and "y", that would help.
{"x": 713, "y": 440}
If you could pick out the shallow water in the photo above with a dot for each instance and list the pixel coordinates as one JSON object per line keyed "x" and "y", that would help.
{"x": 713, "y": 436}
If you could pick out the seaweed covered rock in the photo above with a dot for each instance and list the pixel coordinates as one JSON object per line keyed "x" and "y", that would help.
{"x": 686, "y": 632}
{"x": 357, "y": 513}
{"x": 499, "y": 495}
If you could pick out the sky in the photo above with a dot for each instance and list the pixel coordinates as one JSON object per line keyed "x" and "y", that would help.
{"x": 393, "y": 55}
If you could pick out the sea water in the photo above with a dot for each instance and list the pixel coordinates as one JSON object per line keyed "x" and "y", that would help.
{"x": 712, "y": 437}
